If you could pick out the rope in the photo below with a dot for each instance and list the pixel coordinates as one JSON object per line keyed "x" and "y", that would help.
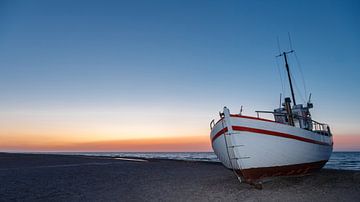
{"x": 227, "y": 150}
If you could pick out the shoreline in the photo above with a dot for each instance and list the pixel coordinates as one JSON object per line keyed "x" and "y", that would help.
{"x": 116, "y": 155}
{"x": 45, "y": 177}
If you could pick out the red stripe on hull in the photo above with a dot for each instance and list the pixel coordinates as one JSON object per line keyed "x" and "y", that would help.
{"x": 252, "y": 175}
{"x": 218, "y": 134}
{"x": 268, "y": 132}
{"x": 278, "y": 134}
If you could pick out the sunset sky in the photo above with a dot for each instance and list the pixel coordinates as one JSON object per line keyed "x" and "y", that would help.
{"x": 151, "y": 75}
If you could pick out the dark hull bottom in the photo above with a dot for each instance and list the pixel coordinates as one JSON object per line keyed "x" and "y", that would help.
{"x": 254, "y": 175}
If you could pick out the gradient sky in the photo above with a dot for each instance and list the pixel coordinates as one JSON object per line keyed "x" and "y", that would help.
{"x": 150, "y": 75}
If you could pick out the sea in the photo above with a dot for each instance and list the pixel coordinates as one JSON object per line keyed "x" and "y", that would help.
{"x": 338, "y": 160}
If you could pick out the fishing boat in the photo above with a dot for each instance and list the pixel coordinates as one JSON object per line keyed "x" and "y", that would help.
{"x": 256, "y": 148}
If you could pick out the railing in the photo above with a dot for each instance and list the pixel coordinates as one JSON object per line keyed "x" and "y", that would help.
{"x": 212, "y": 124}
{"x": 314, "y": 126}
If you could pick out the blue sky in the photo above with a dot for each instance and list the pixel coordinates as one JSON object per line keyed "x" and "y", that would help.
{"x": 176, "y": 58}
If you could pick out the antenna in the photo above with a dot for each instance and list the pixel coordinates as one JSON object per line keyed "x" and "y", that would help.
{"x": 280, "y": 100}
{"x": 309, "y": 104}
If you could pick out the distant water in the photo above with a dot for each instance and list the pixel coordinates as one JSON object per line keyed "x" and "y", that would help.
{"x": 338, "y": 160}
{"x": 344, "y": 161}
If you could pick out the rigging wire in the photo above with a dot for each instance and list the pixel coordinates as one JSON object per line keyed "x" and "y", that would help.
{"x": 297, "y": 88}
{"x": 283, "y": 80}
{"x": 301, "y": 73}
{"x": 278, "y": 44}
{"x": 298, "y": 67}
{"x": 290, "y": 41}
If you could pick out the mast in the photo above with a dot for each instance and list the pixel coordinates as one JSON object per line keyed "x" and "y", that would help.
{"x": 288, "y": 73}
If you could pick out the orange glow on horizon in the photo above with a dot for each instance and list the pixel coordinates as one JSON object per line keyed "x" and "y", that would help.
{"x": 173, "y": 144}
{"x": 140, "y": 129}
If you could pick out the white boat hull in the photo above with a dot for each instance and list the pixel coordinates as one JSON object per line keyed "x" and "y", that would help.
{"x": 258, "y": 148}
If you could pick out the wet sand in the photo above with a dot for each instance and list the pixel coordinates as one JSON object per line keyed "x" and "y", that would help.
{"x": 39, "y": 177}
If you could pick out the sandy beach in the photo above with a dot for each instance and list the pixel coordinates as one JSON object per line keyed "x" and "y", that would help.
{"x": 40, "y": 177}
